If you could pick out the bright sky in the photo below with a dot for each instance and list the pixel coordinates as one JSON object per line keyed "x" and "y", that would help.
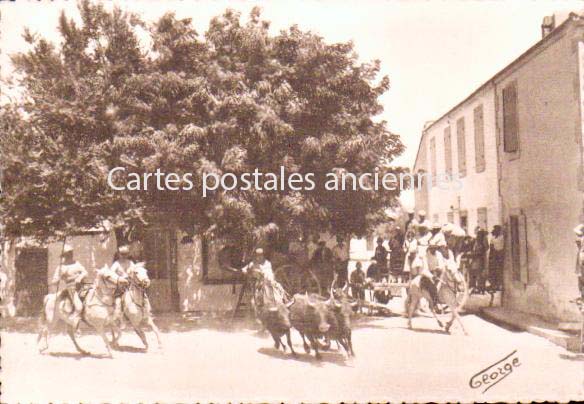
{"x": 434, "y": 52}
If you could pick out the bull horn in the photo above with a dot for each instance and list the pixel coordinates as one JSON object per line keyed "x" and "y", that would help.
{"x": 290, "y": 303}
{"x": 354, "y": 304}
{"x": 333, "y": 283}
{"x": 273, "y": 309}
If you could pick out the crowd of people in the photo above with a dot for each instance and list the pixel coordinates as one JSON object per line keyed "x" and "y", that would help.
{"x": 423, "y": 248}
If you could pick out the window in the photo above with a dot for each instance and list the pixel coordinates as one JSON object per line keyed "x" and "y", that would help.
{"x": 461, "y": 143}
{"x": 450, "y": 217}
{"x": 482, "y": 218}
{"x": 518, "y": 241}
{"x": 218, "y": 258}
{"x": 510, "y": 121}
{"x": 370, "y": 242}
{"x": 433, "y": 160}
{"x": 448, "y": 150}
{"x": 479, "y": 139}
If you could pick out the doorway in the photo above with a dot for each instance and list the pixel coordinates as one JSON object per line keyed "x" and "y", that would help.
{"x": 159, "y": 253}
{"x": 31, "y": 284}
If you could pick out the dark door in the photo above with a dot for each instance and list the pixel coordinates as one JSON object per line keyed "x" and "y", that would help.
{"x": 160, "y": 256}
{"x": 31, "y": 280}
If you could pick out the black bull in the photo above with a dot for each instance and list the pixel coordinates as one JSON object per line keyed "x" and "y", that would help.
{"x": 314, "y": 317}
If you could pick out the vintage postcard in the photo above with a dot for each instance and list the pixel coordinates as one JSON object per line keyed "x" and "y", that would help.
{"x": 291, "y": 201}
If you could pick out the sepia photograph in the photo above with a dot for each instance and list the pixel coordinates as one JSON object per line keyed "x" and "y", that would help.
{"x": 311, "y": 201}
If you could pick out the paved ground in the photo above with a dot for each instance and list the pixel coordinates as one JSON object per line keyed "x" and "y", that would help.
{"x": 209, "y": 360}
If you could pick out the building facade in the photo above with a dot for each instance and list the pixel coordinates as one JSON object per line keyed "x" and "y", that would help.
{"x": 458, "y": 154}
{"x": 532, "y": 172}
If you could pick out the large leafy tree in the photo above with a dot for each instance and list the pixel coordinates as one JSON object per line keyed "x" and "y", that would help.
{"x": 121, "y": 92}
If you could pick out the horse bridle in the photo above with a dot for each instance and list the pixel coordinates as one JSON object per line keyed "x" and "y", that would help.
{"x": 107, "y": 280}
{"x": 141, "y": 288}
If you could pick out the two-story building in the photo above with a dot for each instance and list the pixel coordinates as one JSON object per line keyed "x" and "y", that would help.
{"x": 517, "y": 145}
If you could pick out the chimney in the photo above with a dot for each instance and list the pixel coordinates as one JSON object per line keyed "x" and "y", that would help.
{"x": 547, "y": 25}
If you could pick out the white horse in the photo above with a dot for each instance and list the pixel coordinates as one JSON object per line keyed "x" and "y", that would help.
{"x": 452, "y": 291}
{"x": 135, "y": 304}
{"x": 98, "y": 309}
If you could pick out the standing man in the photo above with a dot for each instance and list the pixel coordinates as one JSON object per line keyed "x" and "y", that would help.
{"x": 71, "y": 273}
{"x": 410, "y": 222}
{"x": 496, "y": 257}
{"x": 357, "y": 283}
{"x": 341, "y": 256}
{"x": 381, "y": 253}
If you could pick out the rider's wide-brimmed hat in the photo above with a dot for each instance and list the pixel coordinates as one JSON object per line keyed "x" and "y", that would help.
{"x": 67, "y": 248}
{"x": 424, "y": 225}
{"x": 421, "y": 213}
{"x": 124, "y": 249}
{"x": 458, "y": 231}
{"x": 436, "y": 226}
{"x": 447, "y": 228}
{"x": 579, "y": 230}
{"x": 259, "y": 251}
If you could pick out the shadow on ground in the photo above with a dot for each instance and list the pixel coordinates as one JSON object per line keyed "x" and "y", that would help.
{"x": 333, "y": 357}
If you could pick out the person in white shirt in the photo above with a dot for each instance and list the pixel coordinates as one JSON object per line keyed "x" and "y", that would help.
{"x": 434, "y": 263}
{"x": 341, "y": 256}
{"x": 272, "y": 291}
{"x": 496, "y": 258}
{"x": 72, "y": 274}
{"x": 422, "y": 243}
{"x": 438, "y": 239}
{"x": 123, "y": 263}
{"x": 410, "y": 248}
{"x": 121, "y": 267}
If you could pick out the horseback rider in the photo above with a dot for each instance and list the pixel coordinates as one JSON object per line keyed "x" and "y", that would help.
{"x": 121, "y": 267}
{"x": 72, "y": 274}
{"x": 434, "y": 263}
{"x": 438, "y": 239}
{"x": 272, "y": 290}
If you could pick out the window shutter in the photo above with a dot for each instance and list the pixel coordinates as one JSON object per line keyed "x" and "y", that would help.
{"x": 523, "y": 259}
{"x": 479, "y": 138}
{"x": 461, "y": 143}
{"x": 448, "y": 150}
{"x": 433, "y": 159}
{"x": 514, "y": 243}
{"x": 510, "y": 121}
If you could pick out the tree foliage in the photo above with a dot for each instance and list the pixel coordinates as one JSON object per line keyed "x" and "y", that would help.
{"x": 118, "y": 91}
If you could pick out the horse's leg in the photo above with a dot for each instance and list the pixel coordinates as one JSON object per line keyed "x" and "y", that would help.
{"x": 459, "y": 319}
{"x": 155, "y": 329}
{"x": 100, "y": 330}
{"x": 289, "y": 340}
{"x": 71, "y": 333}
{"x": 43, "y": 334}
{"x": 411, "y": 306}
{"x": 431, "y": 305}
{"x": 141, "y": 334}
{"x": 115, "y": 337}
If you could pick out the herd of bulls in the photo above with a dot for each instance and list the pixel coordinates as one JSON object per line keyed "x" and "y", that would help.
{"x": 315, "y": 318}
